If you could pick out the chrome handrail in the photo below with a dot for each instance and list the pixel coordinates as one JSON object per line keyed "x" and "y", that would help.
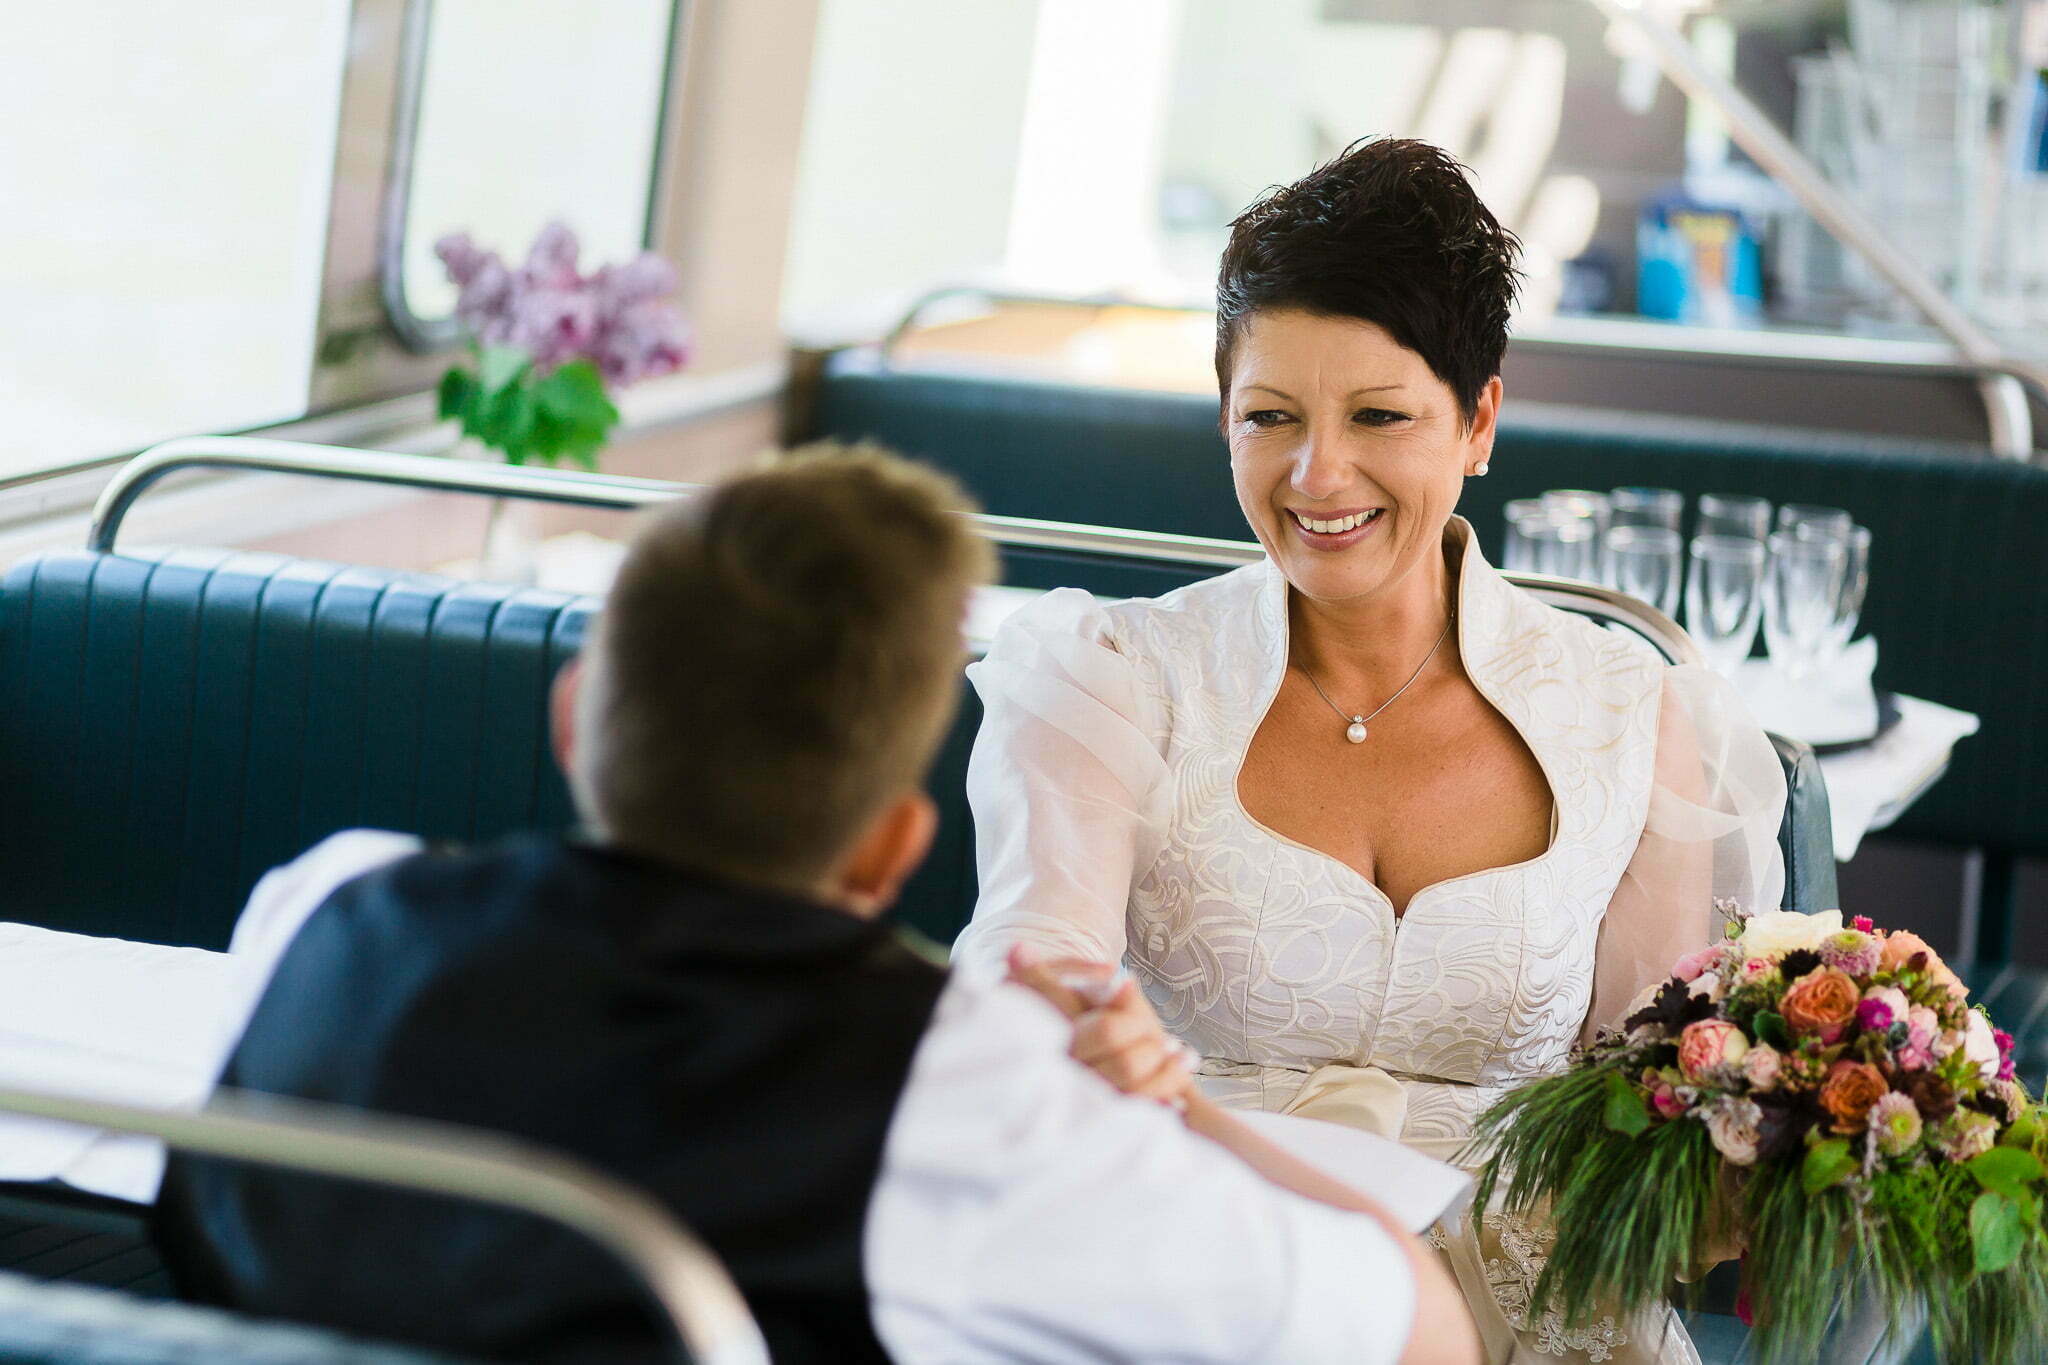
{"x": 2008, "y": 378}
{"x": 685, "y": 1279}
{"x": 433, "y": 473}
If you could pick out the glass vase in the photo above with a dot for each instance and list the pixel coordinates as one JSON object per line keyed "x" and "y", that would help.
{"x": 511, "y": 550}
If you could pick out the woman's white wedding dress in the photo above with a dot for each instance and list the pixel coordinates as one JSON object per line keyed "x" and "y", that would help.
{"x": 1108, "y": 825}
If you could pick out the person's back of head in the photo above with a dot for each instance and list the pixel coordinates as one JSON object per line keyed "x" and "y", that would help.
{"x": 773, "y": 671}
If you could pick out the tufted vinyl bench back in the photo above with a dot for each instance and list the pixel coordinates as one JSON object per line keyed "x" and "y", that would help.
{"x": 173, "y": 725}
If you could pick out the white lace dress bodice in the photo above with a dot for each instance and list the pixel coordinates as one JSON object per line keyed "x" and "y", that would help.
{"x": 1108, "y": 826}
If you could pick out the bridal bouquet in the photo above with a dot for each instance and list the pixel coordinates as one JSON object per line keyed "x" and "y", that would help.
{"x": 1825, "y": 1096}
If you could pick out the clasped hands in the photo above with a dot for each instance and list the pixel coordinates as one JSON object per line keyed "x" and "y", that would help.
{"x": 1116, "y": 1033}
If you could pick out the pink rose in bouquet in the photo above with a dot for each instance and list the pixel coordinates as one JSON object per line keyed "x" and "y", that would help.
{"x": 1760, "y": 1067}
{"x": 1900, "y": 950}
{"x": 1710, "y": 1047}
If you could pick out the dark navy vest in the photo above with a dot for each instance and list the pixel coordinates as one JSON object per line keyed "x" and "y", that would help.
{"x": 736, "y": 1054}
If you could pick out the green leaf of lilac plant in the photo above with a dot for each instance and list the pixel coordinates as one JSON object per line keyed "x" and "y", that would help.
{"x": 498, "y": 366}
{"x": 1998, "y": 1231}
{"x": 1624, "y": 1111}
{"x": 573, "y": 417}
{"x": 508, "y": 422}
{"x": 458, "y": 393}
{"x": 575, "y": 395}
{"x": 1827, "y": 1163}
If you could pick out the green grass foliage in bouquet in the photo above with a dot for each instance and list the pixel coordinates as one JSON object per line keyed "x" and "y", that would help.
{"x": 1827, "y": 1099}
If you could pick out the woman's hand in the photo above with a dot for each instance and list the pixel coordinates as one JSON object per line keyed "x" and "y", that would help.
{"x": 1115, "y": 1031}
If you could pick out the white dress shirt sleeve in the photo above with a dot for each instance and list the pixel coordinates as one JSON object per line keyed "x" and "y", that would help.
{"x": 1025, "y": 1211}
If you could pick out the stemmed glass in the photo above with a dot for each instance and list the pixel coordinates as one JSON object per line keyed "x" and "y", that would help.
{"x": 1567, "y": 547}
{"x": 1647, "y": 562}
{"x": 1855, "y": 583}
{"x": 1517, "y": 554}
{"x": 1821, "y": 523}
{"x": 1734, "y": 514}
{"x": 1802, "y": 597}
{"x": 1591, "y": 509}
{"x": 1724, "y": 598}
{"x": 1579, "y": 502}
{"x": 1646, "y": 507}
{"x": 1835, "y": 524}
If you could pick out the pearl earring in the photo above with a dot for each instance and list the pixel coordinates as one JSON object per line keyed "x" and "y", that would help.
{"x": 1479, "y": 470}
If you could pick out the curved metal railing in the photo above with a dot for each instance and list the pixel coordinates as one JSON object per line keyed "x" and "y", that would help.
{"x": 687, "y": 1283}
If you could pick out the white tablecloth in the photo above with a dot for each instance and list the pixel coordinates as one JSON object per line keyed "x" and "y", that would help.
{"x": 1868, "y": 788}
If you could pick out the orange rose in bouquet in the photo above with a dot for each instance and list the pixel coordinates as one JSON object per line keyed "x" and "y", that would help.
{"x": 1821, "y": 1003}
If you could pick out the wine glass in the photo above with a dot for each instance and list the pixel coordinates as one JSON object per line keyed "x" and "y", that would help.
{"x": 1566, "y": 547}
{"x": 1804, "y": 519}
{"x": 1646, "y": 507}
{"x": 1577, "y": 502}
{"x": 1855, "y": 583}
{"x": 1517, "y": 555}
{"x": 1724, "y": 598}
{"x": 1647, "y": 562}
{"x": 1802, "y": 594}
{"x": 1733, "y": 514}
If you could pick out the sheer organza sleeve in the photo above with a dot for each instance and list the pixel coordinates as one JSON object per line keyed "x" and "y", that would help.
{"x": 1711, "y": 837}
{"x": 1066, "y": 784}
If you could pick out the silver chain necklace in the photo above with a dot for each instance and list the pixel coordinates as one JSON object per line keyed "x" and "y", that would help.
{"x": 1355, "y": 731}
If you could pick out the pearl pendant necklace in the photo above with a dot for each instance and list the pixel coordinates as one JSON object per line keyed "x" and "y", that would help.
{"x": 1356, "y": 731}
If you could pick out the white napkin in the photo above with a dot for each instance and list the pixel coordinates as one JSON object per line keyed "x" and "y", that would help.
{"x": 1870, "y": 787}
{"x": 1835, "y": 706}
{"x": 1417, "y": 1191}
{"x": 107, "y": 1019}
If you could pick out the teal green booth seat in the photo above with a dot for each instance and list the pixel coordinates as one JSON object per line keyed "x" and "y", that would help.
{"x": 1959, "y": 576}
{"x": 173, "y": 725}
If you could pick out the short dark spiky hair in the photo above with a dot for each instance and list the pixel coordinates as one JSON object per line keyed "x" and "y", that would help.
{"x": 1390, "y": 232}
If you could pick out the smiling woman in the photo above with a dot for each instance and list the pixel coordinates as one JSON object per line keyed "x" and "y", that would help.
{"x": 1382, "y": 836}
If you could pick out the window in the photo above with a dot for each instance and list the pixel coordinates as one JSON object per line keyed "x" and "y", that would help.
{"x": 196, "y": 200}
{"x": 164, "y": 184}
{"x": 528, "y": 111}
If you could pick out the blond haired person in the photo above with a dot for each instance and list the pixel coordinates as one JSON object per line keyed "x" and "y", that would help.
{"x": 698, "y": 997}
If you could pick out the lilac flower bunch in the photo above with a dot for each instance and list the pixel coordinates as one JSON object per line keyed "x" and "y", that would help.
{"x": 549, "y": 343}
